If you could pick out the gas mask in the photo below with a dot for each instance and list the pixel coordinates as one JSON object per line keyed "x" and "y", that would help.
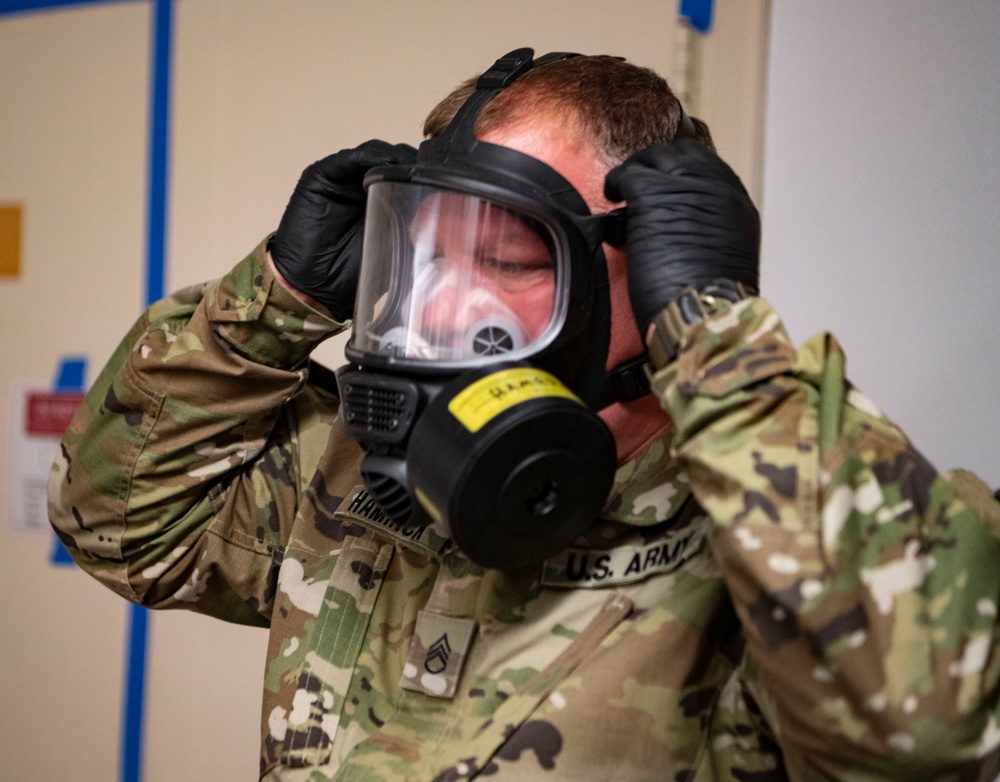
{"x": 479, "y": 344}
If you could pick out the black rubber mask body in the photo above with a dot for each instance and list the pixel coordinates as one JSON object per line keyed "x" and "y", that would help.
{"x": 509, "y": 456}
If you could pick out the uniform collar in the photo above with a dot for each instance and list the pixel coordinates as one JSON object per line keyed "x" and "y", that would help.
{"x": 649, "y": 488}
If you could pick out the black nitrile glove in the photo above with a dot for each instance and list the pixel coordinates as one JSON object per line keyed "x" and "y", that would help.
{"x": 689, "y": 222}
{"x": 317, "y": 247}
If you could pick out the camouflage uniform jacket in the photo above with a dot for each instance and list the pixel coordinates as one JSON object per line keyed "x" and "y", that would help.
{"x": 784, "y": 589}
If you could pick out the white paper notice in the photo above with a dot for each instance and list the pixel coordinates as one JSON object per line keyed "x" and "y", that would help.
{"x": 37, "y": 419}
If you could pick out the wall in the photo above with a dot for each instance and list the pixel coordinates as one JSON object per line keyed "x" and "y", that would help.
{"x": 260, "y": 89}
{"x": 881, "y": 209}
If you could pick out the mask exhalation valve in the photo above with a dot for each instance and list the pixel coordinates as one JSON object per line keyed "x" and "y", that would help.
{"x": 494, "y": 337}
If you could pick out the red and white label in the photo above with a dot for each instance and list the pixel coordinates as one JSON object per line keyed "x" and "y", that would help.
{"x": 50, "y": 414}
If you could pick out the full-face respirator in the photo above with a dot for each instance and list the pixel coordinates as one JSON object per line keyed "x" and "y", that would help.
{"x": 479, "y": 344}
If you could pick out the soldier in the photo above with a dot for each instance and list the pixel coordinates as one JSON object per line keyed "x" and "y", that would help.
{"x": 490, "y": 551}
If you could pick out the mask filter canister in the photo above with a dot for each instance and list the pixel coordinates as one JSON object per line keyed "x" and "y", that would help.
{"x": 512, "y": 463}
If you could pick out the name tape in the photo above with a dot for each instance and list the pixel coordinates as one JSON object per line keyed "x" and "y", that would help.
{"x": 361, "y": 507}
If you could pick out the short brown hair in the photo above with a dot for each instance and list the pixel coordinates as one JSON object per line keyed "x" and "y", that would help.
{"x": 620, "y": 106}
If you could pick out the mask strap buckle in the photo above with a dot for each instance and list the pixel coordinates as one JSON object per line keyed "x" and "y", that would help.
{"x": 506, "y": 69}
{"x": 685, "y": 128}
{"x": 627, "y": 381}
{"x": 614, "y": 228}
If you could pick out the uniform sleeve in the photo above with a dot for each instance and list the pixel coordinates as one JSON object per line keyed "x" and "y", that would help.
{"x": 177, "y": 480}
{"x": 867, "y": 581}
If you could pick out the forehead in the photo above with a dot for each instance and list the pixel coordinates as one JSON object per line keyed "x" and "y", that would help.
{"x": 457, "y": 215}
{"x": 562, "y": 146}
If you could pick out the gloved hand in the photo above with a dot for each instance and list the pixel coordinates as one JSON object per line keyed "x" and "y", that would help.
{"x": 689, "y": 222}
{"x": 317, "y": 248}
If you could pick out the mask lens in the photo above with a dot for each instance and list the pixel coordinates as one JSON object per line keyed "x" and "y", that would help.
{"x": 454, "y": 278}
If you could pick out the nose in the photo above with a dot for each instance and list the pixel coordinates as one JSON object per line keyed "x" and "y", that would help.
{"x": 443, "y": 297}
{"x": 462, "y": 311}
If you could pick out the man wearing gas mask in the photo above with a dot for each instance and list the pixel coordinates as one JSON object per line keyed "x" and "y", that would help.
{"x": 490, "y": 548}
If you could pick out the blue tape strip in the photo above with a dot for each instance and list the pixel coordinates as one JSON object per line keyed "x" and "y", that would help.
{"x": 698, "y": 13}
{"x": 133, "y": 715}
{"x": 23, "y": 6}
{"x": 59, "y": 556}
{"x": 156, "y": 213}
{"x": 134, "y": 712}
{"x": 72, "y": 374}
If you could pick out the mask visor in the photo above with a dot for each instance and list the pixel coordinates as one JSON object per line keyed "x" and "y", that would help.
{"x": 456, "y": 280}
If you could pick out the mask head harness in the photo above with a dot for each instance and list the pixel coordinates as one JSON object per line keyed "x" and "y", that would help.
{"x": 479, "y": 345}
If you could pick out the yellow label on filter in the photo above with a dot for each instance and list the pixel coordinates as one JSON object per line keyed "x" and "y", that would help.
{"x": 484, "y": 400}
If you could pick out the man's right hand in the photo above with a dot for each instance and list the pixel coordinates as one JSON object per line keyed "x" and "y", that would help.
{"x": 317, "y": 248}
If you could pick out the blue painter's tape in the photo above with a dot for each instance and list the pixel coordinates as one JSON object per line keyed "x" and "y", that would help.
{"x": 159, "y": 147}
{"x": 59, "y": 556}
{"x": 698, "y": 13}
{"x": 71, "y": 376}
{"x": 23, "y": 6}
{"x": 133, "y": 713}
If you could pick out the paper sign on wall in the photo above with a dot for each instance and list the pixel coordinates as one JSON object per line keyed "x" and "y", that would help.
{"x": 37, "y": 419}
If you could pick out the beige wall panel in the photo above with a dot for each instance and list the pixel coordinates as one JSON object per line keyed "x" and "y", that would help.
{"x": 203, "y": 699}
{"x": 727, "y": 68}
{"x": 72, "y": 151}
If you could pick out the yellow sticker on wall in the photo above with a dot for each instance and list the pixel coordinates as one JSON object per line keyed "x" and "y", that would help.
{"x": 10, "y": 240}
{"x": 489, "y": 396}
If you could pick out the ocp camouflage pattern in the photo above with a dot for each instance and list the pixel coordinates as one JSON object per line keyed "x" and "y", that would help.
{"x": 782, "y": 589}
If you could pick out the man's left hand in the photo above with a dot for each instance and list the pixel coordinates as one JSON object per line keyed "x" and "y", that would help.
{"x": 690, "y": 222}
